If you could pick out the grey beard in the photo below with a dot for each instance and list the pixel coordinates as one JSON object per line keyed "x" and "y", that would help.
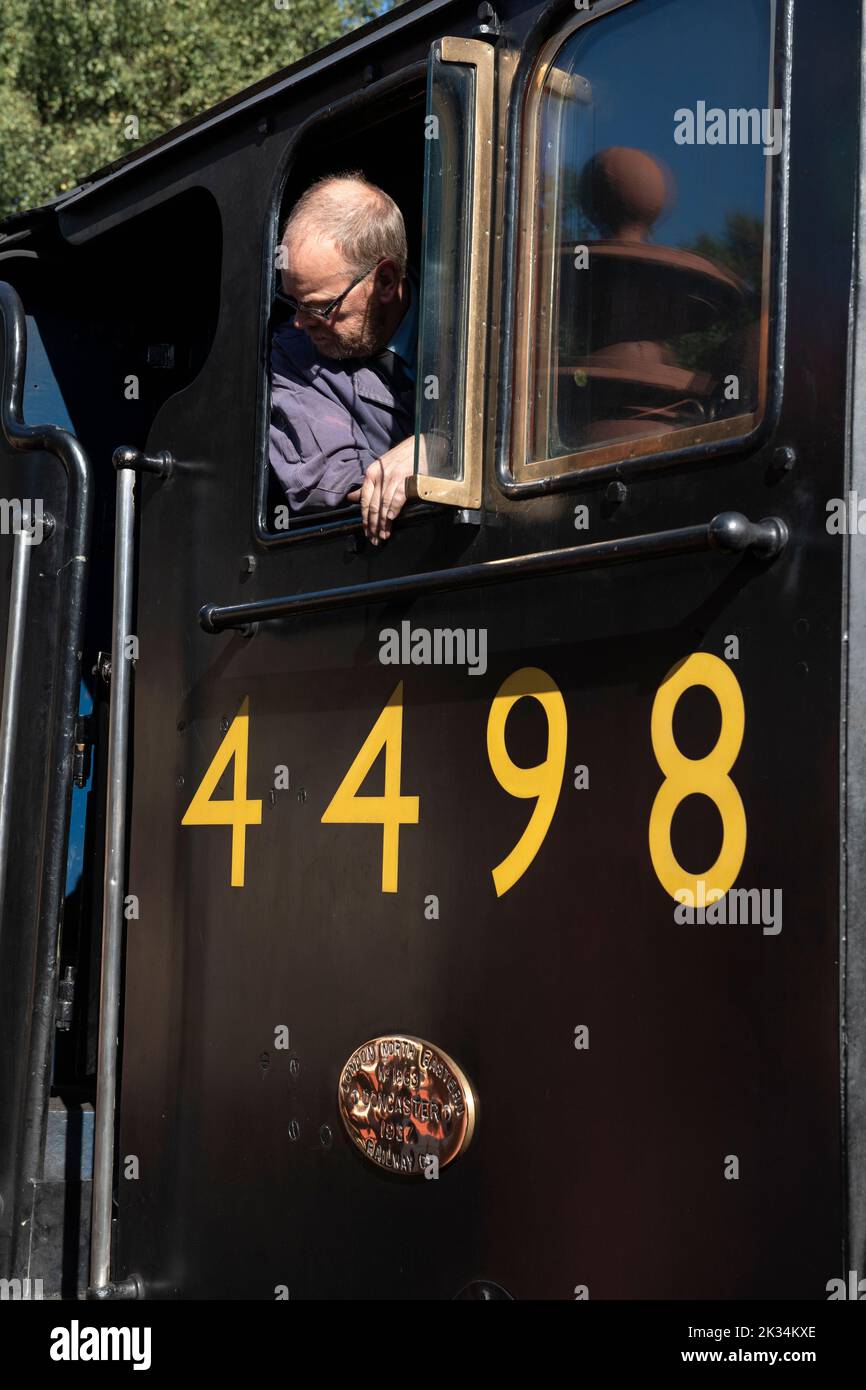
{"x": 368, "y": 341}
{"x": 365, "y": 345}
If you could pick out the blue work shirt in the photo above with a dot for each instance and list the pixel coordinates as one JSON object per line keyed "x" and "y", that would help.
{"x": 331, "y": 418}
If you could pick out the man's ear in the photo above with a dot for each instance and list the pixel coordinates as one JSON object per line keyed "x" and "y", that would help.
{"x": 387, "y": 280}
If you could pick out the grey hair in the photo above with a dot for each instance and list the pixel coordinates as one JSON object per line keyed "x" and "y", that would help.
{"x": 363, "y": 222}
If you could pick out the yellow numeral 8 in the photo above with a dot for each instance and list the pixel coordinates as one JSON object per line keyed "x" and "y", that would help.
{"x": 709, "y": 776}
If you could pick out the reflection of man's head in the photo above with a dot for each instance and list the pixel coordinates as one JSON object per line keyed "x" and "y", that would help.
{"x": 624, "y": 192}
{"x": 345, "y": 241}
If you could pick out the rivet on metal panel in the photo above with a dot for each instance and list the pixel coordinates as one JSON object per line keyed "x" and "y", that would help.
{"x": 484, "y": 1291}
{"x": 160, "y": 356}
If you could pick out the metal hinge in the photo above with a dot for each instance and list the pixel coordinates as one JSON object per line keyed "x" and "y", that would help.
{"x": 102, "y": 669}
{"x": 65, "y": 1000}
{"x": 83, "y": 743}
{"x": 490, "y": 27}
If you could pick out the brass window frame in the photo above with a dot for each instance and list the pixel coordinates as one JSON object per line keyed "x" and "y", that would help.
{"x": 736, "y": 429}
{"x": 467, "y": 490}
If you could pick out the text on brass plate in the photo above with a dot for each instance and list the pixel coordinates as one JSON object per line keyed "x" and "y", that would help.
{"x": 407, "y": 1106}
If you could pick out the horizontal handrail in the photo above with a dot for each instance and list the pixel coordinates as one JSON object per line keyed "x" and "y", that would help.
{"x": 729, "y": 533}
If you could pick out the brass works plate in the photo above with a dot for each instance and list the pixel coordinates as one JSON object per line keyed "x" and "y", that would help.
{"x": 405, "y": 1104}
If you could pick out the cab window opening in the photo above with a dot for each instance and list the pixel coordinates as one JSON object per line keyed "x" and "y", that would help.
{"x": 383, "y": 143}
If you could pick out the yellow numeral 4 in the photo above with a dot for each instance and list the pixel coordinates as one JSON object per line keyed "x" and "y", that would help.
{"x": 237, "y": 811}
{"x": 390, "y": 810}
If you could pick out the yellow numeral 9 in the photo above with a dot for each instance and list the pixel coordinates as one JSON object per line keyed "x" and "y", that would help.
{"x": 543, "y": 781}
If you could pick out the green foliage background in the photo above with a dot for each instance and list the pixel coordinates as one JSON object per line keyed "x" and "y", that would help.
{"x": 72, "y": 70}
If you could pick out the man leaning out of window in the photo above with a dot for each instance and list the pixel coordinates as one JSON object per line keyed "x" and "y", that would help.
{"x": 343, "y": 365}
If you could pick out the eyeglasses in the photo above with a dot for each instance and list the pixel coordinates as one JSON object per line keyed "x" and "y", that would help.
{"x": 297, "y": 306}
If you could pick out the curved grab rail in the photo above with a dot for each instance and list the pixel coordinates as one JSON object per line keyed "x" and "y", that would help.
{"x": 49, "y": 439}
{"x": 11, "y": 700}
{"x": 63, "y": 446}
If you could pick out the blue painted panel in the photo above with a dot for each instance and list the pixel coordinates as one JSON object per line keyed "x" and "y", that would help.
{"x": 44, "y": 405}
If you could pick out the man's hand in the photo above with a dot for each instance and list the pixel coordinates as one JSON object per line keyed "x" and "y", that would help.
{"x": 383, "y": 492}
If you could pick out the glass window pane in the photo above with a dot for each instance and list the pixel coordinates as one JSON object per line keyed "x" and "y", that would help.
{"x": 655, "y": 137}
{"x": 447, "y": 235}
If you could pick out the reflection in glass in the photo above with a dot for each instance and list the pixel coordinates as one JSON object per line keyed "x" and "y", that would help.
{"x": 648, "y": 269}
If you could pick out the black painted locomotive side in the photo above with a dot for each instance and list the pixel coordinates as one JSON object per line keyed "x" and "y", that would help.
{"x": 659, "y": 1110}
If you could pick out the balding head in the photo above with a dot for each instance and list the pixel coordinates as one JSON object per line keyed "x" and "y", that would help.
{"x": 345, "y": 229}
{"x": 357, "y": 217}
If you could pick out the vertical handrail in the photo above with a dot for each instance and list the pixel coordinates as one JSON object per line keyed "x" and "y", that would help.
{"x": 112, "y": 909}
{"x": 127, "y": 462}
